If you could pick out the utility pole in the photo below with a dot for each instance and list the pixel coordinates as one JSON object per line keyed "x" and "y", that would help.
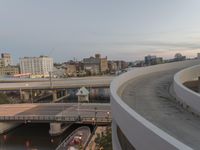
{"x": 95, "y": 113}
{"x": 31, "y": 95}
{"x": 50, "y": 79}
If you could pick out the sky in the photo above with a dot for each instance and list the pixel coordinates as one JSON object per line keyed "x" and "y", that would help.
{"x": 119, "y": 29}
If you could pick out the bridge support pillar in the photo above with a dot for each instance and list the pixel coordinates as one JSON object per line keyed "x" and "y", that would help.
{"x": 66, "y": 93}
{"x": 4, "y": 127}
{"x": 55, "y": 129}
{"x": 24, "y": 95}
{"x": 54, "y": 92}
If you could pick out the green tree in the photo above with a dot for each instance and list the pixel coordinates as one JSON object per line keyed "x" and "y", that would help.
{"x": 4, "y": 99}
{"x": 104, "y": 140}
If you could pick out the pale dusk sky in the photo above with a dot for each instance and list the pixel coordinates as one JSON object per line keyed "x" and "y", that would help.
{"x": 119, "y": 29}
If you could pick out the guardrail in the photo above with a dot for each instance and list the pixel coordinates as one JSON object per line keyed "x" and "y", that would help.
{"x": 186, "y": 96}
{"x": 49, "y": 118}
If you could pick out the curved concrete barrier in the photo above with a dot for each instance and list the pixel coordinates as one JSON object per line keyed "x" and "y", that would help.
{"x": 185, "y": 95}
{"x": 142, "y": 134}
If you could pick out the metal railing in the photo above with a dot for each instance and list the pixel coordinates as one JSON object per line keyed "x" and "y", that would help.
{"x": 55, "y": 118}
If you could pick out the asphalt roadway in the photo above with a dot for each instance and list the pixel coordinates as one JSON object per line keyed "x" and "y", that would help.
{"x": 152, "y": 97}
{"x": 62, "y": 83}
{"x": 56, "y": 109}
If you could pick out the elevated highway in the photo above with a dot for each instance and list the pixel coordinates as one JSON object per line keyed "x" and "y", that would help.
{"x": 152, "y": 97}
{"x": 58, "y": 115}
{"x": 56, "y": 112}
{"x": 103, "y": 81}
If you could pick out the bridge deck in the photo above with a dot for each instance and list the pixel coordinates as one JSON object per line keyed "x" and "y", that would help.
{"x": 54, "y": 112}
{"x": 56, "y": 84}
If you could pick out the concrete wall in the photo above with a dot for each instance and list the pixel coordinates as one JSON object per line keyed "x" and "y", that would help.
{"x": 142, "y": 134}
{"x": 115, "y": 140}
{"x": 188, "y": 97}
{"x": 55, "y": 129}
{"x": 4, "y": 127}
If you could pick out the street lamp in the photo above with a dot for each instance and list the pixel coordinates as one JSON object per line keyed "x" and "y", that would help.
{"x": 95, "y": 113}
{"x": 93, "y": 121}
{"x": 108, "y": 114}
{"x": 79, "y": 117}
{"x": 50, "y": 79}
{"x": 31, "y": 95}
{"x": 78, "y": 108}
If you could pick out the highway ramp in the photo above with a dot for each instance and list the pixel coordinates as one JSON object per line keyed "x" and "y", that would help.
{"x": 151, "y": 96}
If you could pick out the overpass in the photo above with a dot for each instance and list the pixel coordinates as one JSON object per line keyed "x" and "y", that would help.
{"x": 28, "y": 88}
{"x": 56, "y": 114}
{"x": 102, "y": 81}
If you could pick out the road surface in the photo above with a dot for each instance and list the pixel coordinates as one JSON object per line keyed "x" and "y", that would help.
{"x": 64, "y": 83}
{"x": 152, "y": 97}
{"x": 56, "y": 109}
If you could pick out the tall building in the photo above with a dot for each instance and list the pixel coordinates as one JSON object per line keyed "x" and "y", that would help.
{"x": 40, "y": 66}
{"x": 9, "y": 70}
{"x": 96, "y": 65}
{"x": 6, "y": 59}
{"x": 152, "y": 60}
{"x": 112, "y": 66}
{"x": 71, "y": 70}
{"x": 103, "y": 65}
{"x": 149, "y": 60}
{"x": 91, "y": 65}
{"x": 6, "y": 68}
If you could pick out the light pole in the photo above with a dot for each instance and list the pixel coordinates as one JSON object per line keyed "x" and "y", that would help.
{"x": 20, "y": 94}
{"x": 79, "y": 118}
{"x": 93, "y": 121}
{"x": 95, "y": 113}
{"x": 63, "y": 111}
{"x": 50, "y": 79}
{"x": 108, "y": 114}
{"x": 31, "y": 95}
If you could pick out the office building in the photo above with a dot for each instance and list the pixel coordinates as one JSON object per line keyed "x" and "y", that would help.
{"x": 152, "y": 60}
{"x": 95, "y": 65}
{"x": 6, "y": 59}
{"x": 38, "y": 66}
{"x": 9, "y": 70}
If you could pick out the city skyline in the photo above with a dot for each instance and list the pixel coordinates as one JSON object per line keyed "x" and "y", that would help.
{"x": 126, "y": 31}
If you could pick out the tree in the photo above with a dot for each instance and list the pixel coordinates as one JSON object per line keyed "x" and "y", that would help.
{"x": 4, "y": 99}
{"x": 104, "y": 140}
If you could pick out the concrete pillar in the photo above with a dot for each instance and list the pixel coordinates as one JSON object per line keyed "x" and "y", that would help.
{"x": 24, "y": 95}
{"x": 34, "y": 94}
{"x": 55, "y": 129}
{"x": 59, "y": 94}
{"x": 54, "y": 92}
{"x": 5, "y": 127}
{"x": 20, "y": 93}
{"x": 66, "y": 93}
